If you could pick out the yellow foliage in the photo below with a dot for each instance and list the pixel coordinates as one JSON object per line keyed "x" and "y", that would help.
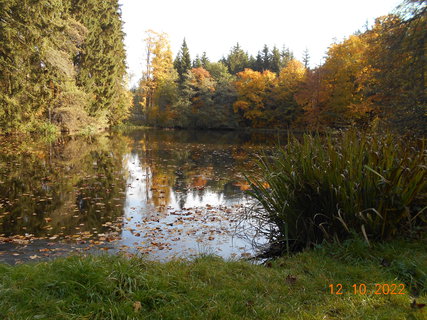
{"x": 254, "y": 89}
{"x": 158, "y": 80}
{"x": 292, "y": 74}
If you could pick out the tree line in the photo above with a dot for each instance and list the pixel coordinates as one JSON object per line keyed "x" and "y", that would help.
{"x": 62, "y": 65}
{"x": 371, "y": 77}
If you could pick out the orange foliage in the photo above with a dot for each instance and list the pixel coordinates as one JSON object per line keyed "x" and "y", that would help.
{"x": 200, "y": 73}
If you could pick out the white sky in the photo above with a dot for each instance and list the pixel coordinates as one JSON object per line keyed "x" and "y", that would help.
{"x": 216, "y": 26}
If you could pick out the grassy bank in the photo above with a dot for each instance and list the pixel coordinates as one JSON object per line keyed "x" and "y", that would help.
{"x": 111, "y": 287}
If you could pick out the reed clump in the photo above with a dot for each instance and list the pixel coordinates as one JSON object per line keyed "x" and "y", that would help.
{"x": 330, "y": 187}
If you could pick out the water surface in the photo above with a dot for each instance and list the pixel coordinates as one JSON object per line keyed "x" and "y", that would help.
{"x": 160, "y": 193}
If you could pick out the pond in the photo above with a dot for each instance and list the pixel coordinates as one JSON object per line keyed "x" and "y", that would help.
{"x": 158, "y": 193}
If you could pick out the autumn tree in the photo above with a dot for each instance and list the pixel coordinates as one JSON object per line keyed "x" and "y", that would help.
{"x": 147, "y": 84}
{"x": 202, "y": 85}
{"x": 378, "y": 74}
{"x": 312, "y": 97}
{"x": 286, "y": 109}
{"x": 334, "y": 94}
{"x": 254, "y": 90}
{"x": 158, "y": 83}
{"x": 396, "y": 54}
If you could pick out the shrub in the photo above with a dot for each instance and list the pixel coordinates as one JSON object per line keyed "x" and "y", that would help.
{"x": 330, "y": 187}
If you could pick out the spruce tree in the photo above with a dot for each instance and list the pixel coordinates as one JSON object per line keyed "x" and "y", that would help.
{"x": 38, "y": 41}
{"x": 197, "y": 63}
{"x": 237, "y": 60}
{"x": 258, "y": 66}
{"x": 286, "y": 56}
{"x": 266, "y": 58}
{"x": 101, "y": 62}
{"x": 60, "y": 56}
{"x": 306, "y": 58}
{"x": 204, "y": 60}
{"x": 182, "y": 62}
{"x": 275, "y": 60}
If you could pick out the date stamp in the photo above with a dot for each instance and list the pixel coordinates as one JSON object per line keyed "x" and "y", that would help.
{"x": 368, "y": 289}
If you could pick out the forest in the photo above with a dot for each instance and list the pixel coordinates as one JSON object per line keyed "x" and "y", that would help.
{"x": 64, "y": 70}
{"x": 373, "y": 77}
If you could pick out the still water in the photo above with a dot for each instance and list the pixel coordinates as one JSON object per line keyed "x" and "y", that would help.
{"x": 159, "y": 193}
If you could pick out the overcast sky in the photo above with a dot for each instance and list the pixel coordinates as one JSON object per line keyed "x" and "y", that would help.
{"x": 216, "y": 26}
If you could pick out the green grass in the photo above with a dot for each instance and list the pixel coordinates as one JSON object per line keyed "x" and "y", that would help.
{"x": 330, "y": 187}
{"x": 107, "y": 287}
